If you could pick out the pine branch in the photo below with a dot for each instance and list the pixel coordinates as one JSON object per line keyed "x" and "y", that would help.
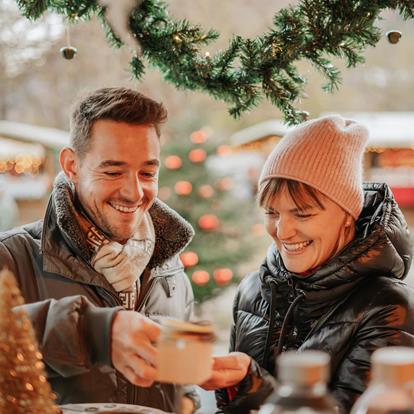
{"x": 249, "y": 69}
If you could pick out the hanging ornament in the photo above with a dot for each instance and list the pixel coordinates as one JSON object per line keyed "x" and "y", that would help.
{"x": 173, "y": 162}
{"x": 183, "y": 188}
{"x": 225, "y": 184}
{"x": 206, "y": 191}
{"x": 208, "y": 222}
{"x": 68, "y": 51}
{"x": 304, "y": 116}
{"x": 199, "y": 137}
{"x": 200, "y": 277}
{"x": 164, "y": 193}
{"x": 197, "y": 155}
{"x": 223, "y": 150}
{"x": 117, "y": 14}
{"x": 394, "y": 36}
{"x": 223, "y": 276}
{"x": 189, "y": 258}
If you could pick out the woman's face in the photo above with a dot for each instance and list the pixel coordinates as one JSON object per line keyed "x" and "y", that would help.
{"x": 305, "y": 238}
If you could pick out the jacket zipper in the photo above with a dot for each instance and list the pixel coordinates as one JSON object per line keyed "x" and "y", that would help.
{"x": 109, "y": 297}
{"x": 272, "y": 324}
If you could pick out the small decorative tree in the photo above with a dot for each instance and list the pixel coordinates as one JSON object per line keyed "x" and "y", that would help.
{"x": 23, "y": 385}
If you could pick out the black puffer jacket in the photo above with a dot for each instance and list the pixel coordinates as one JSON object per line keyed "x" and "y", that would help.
{"x": 352, "y": 305}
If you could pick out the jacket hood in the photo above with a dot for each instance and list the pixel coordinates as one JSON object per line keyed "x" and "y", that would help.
{"x": 381, "y": 247}
{"x": 172, "y": 232}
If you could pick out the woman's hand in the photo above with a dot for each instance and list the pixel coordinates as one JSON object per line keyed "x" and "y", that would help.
{"x": 228, "y": 370}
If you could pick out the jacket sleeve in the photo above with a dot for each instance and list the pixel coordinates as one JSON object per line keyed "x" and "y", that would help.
{"x": 253, "y": 390}
{"x": 389, "y": 321}
{"x": 73, "y": 334}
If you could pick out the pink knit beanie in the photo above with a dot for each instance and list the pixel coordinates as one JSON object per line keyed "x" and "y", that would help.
{"x": 325, "y": 153}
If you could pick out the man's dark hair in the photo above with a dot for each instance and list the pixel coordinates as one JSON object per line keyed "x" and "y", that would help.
{"x": 115, "y": 104}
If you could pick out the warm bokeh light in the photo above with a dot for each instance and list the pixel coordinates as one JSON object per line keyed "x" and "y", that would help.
{"x": 189, "y": 258}
{"x": 206, "y": 191}
{"x": 183, "y": 188}
{"x": 223, "y": 275}
{"x": 257, "y": 229}
{"x": 173, "y": 162}
{"x": 200, "y": 277}
{"x": 21, "y": 164}
{"x": 197, "y": 155}
{"x": 199, "y": 137}
{"x": 223, "y": 150}
{"x": 225, "y": 184}
{"x": 208, "y": 222}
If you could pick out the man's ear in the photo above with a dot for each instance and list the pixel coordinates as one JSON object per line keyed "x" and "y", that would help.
{"x": 69, "y": 163}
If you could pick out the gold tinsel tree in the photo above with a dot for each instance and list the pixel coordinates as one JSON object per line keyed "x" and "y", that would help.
{"x": 23, "y": 385}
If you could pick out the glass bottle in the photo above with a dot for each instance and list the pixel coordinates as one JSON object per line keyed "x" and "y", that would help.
{"x": 303, "y": 377}
{"x": 392, "y": 383}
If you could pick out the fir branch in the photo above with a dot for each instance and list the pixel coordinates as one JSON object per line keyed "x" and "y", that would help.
{"x": 248, "y": 69}
{"x": 32, "y": 9}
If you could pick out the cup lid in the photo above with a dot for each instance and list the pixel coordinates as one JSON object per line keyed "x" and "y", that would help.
{"x": 202, "y": 327}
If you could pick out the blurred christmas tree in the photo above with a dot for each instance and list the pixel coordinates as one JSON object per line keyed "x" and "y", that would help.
{"x": 23, "y": 385}
{"x": 207, "y": 200}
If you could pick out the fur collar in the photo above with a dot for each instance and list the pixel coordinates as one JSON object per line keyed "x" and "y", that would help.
{"x": 172, "y": 232}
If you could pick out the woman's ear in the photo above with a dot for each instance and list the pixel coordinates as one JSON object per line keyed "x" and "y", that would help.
{"x": 69, "y": 163}
{"x": 349, "y": 220}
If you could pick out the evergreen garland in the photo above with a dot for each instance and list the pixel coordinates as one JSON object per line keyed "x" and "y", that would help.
{"x": 249, "y": 68}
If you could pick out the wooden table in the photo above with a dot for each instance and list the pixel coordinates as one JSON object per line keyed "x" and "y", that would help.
{"x": 107, "y": 408}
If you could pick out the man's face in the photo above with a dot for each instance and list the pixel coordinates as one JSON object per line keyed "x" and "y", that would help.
{"x": 117, "y": 179}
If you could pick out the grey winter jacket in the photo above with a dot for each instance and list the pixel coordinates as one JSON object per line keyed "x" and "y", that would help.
{"x": 72, "y": 306}
{"x": 350, "y": 306}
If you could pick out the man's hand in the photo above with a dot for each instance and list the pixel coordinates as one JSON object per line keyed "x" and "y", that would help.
{"x": 228, "y": 370}
{"x": 133, "y": 350}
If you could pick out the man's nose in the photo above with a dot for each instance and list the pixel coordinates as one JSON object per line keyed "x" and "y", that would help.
{"x": 132, "y": 189}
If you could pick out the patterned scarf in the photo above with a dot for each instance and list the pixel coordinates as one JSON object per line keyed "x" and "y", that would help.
{"x": 121, "y": 264}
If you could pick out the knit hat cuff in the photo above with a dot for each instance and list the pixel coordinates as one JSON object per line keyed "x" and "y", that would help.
{"x": 354, "y": 212}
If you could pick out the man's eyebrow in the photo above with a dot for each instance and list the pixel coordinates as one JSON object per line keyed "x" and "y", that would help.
{"x": 114, "y": 163}
{"x": 154, "y": 161}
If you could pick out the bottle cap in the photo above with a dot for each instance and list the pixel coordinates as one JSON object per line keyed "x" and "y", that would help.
{"x": 303, "y": 368}
{"x": 393, "y": 365}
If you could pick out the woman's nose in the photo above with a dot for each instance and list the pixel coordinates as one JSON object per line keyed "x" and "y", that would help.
{"x": 285, "y": 228}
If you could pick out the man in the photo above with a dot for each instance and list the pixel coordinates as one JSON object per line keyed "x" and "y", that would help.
{"x": 103, "y": 264}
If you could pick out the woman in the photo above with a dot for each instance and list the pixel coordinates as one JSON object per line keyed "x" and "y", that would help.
{"x": 332, "y": 278}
